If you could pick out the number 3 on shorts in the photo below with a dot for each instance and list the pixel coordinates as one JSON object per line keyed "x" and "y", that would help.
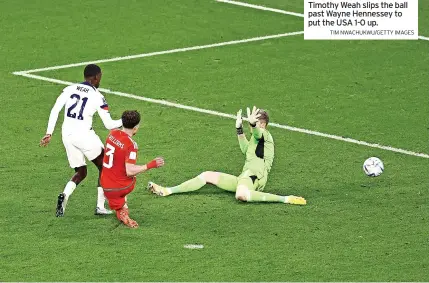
{"x": 109, "y": 153}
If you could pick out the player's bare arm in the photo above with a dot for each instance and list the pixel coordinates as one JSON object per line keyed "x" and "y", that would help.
{"x": 133, "y": 169}
{"x": 53, "y": 117}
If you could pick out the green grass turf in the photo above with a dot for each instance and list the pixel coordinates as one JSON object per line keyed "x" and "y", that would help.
{"x": 354, "y": 228}
{"x": 359, "y": 103}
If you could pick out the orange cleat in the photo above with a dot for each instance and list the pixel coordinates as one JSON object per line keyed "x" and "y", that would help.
{"x": 132, "y": 223}
{"x": 122, "y": 215}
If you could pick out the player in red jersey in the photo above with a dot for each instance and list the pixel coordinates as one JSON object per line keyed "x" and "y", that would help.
{"x": 119, "y": 166}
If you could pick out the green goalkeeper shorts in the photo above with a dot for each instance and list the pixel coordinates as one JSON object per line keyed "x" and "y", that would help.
{"x": 250, "y": 180}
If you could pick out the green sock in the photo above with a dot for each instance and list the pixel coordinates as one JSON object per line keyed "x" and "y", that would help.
{"x": 256, "y": 196}
{"x": 188, "y": 186}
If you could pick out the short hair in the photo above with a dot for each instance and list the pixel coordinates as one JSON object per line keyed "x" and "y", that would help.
{"x": 264, "y": 116}
{"x": 91, "y": 70}
{"x": 130, "y": 119}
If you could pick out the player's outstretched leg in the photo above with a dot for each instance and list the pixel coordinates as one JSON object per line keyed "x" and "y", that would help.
{"x": 245, "y": 192}
{"x": 122, "y": 215}
{"x": 101, "y": 199}
{"x": 224, "y": 181}
{"x": 63, "y": 198}
{"x": 247, "y": 195}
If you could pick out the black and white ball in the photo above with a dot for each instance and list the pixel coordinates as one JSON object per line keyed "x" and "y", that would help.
{"x": 373, "y": 167}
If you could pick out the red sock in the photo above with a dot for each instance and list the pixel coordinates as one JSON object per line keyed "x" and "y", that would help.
{"x": 122, "y": 213}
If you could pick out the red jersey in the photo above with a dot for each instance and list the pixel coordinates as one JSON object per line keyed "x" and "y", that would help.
{"x": 120, "y": 149}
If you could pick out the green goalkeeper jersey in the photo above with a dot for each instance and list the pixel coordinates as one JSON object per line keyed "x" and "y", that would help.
{"x": 259, "y": 151}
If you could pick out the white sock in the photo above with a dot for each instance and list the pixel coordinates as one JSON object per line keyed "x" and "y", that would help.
{"x": 100, "y": 197}
{"x": 68, "y": 190}
{"x": 286, "y": 199}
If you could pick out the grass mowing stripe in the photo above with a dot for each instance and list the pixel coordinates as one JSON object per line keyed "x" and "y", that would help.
{"x": 142, "y": 55}
{"x": 225, "y": 115}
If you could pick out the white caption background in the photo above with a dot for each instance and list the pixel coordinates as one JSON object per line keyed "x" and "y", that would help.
{"x": 360, "y": 20}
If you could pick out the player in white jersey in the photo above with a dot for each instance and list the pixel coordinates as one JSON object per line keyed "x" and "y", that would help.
{"x": 80, "y": 103}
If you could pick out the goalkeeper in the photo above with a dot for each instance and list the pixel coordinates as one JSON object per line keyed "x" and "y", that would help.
{"x": 248, "y": 187}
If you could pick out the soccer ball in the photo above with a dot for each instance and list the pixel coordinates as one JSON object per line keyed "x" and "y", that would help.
{"x": 373, "y": 167}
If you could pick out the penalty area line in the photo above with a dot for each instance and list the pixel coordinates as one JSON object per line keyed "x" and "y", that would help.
{"x": 151, "y": 54}
{"x": 225, "y": 115}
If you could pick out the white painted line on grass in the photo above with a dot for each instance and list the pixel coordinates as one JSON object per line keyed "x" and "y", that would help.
{"x": 225, "y": 115}
{"x": 350, "y": 140}
{"x": 193, "y": 246}
{"x": 198, "y": 47}
{"x": 129, "y": 95}
{"x": 41, "y": 78}
{"x": 259, "y": 7}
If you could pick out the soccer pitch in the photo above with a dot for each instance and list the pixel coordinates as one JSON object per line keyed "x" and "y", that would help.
{"x": 188, "y": 66}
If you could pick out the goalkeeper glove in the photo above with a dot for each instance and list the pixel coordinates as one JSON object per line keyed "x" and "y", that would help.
{"x": 253, "y": 116}
{"x": 239, "y": 123}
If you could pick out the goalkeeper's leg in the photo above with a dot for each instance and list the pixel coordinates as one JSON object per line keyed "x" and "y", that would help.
{"x": 221, "y": 180}
{"x": 246, "y": 192}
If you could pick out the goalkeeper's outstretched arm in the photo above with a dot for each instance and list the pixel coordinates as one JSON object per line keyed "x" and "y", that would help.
{"x": 242, "y": 140}
{"x": 253, "y": 117}
{"x": 258, "y": 133}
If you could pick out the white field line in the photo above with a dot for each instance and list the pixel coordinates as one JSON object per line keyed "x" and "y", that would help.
{"x": 225, "y": 115}
{"x": 198, "y": 47}
{"x": 259, "y": 7}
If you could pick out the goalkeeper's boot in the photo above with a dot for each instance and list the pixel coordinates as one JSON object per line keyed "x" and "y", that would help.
{"x": 122, "y": 215}
{"x": 157, "y": 189}
{"x": 102, "y": 211}
{"x": 61, "y": 205}
{"x": 295, "y": 200}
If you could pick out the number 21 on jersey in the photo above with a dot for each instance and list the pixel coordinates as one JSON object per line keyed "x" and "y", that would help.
{"x": 72, "y": 107}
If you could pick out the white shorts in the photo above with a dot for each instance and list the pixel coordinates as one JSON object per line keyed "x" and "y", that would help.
{"x": 79, "y": 145}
